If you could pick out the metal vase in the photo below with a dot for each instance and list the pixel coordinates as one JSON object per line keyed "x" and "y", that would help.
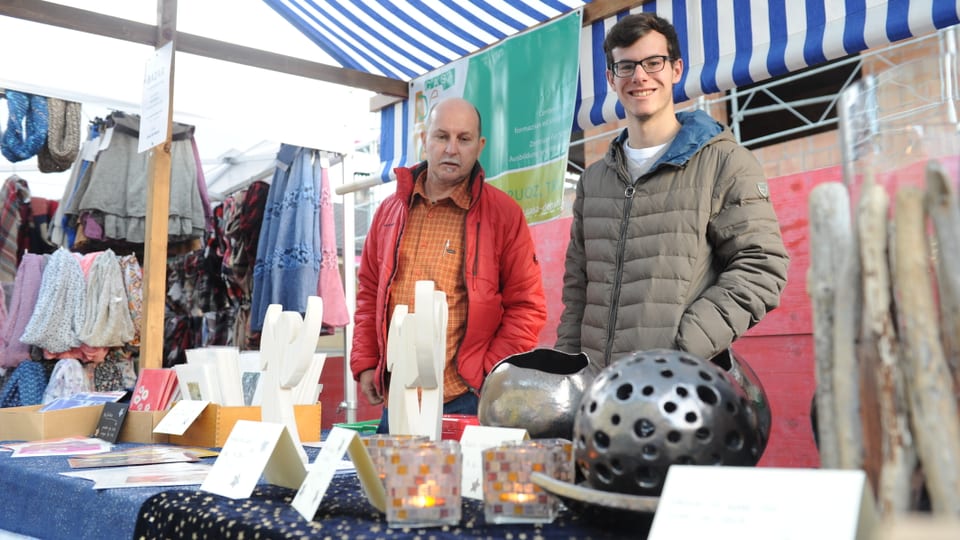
{"x": 538, "y": 390}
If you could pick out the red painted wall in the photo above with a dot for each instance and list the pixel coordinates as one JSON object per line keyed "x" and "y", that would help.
{"x": 780, "y": 348}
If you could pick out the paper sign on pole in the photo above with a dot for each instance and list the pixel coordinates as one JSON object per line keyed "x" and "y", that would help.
{"x": 254, "y": 449}
{"x": 155, "y": 105}
{"x": 764, "y": 503}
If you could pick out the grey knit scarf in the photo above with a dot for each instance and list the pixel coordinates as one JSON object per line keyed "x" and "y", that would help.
{"x": 63, "y": 136}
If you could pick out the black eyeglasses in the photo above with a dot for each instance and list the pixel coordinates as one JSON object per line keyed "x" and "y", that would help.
{"x": 651, "y": 64}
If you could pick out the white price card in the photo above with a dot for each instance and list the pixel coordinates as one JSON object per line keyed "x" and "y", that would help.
{"x": 180, "y": 417}
{"x": 321, "y": 471}
{"x": 254, "y": 449}
{"x": 473, "y": 441}
{"x": 764, "y": 503}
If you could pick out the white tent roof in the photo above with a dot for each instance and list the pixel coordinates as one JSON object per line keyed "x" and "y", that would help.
{"x": 235, "y": 108}
{"x": 726, "y": 43}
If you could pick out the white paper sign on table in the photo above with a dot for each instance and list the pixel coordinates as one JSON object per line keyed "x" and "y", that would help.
{"x": 314, "y": 487}
{"x": 473, "y": 441}
{"x": 254, "y": 449}
{"x": 764, "y": 503}
{"x": 180, "y": 417}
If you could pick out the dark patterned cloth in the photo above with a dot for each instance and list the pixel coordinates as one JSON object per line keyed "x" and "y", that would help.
{"x": 344, "y": 513}
{"x": 25, "y": 385}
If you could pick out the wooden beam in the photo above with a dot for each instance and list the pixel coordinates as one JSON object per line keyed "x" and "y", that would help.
{"x": 601, "y": 9}
{"x": 126, "y": 30}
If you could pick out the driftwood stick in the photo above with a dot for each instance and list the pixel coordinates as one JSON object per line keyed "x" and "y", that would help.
{"x": 933, "y": 408}
{"x": 846, "y": 325}
{"x": 880, "y": 359}
{"x": 941, "y": 200}
{"x": 829, "y": 213}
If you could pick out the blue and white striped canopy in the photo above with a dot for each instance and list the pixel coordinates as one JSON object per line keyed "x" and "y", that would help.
{"x": 725, "y": 43}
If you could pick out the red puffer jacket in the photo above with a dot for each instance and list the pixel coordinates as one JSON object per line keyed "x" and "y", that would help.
{"x": 506, "y": 305}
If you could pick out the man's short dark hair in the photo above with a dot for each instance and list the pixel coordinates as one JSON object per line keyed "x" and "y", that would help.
{"x": 633, "y": 27}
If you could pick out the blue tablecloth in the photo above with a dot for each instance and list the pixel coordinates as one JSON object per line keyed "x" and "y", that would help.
{"x": 36, "y": 500}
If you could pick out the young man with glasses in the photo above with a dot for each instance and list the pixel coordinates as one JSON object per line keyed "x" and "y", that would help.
{"x": 674, "y": 242}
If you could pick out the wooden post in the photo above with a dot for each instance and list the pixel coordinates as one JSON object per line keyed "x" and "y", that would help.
{"x": 933, "y": 407}
{"x": 158, "y": 209}
{"x": 880, "y": 353}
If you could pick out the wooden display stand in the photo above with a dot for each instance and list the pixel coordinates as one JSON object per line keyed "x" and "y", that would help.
{"x": 214, "y": 424}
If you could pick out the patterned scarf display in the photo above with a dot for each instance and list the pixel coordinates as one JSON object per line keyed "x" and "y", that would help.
{"x": 26, "y": 126}
{"x": 63, "y": 136}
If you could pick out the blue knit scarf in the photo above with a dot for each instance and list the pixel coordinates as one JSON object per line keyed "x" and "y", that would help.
{"x": 19, "y": 143}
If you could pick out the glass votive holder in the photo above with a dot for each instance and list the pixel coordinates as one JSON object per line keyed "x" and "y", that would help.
{"x": 380, "y": 445}
{"x": 423, "y": 484}
{"x": 566, "y": 466}
{"x": 509, "y": 495}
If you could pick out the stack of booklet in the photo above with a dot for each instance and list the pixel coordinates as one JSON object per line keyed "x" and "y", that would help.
{"x": 229, "y": 377}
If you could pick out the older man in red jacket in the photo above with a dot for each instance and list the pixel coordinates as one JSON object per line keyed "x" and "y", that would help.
{"x": 445, "y": 224}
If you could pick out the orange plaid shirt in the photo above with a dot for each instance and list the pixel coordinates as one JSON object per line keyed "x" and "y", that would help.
{"x": 432, "y": 248}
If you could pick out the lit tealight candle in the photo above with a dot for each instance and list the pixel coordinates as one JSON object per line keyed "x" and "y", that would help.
{"x": 517, "y": 498}
{"x": 422, "y": 501}
{"x": 509, "y": 494}
{"x": 423, "y": 485}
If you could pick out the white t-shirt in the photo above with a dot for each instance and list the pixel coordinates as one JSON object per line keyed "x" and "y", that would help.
{"x": 639, "y": 160}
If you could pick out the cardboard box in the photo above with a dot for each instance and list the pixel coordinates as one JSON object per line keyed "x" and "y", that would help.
{"x": 138, "y": 428}
{"x": 29, "y": 424}
{"x": 214, "y": 424}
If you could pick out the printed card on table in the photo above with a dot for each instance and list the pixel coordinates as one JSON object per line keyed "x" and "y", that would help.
{"x": 473, "y": 441}
{"x": 254, "y": 449}
{"x": 180, "y": 417}
{"x": 111, "y": 420}
{"x": 315, "y": 485}
{"x": 764, "y": 502}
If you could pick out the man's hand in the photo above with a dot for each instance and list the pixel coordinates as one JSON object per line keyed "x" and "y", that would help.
{"x": 369, "y": 388}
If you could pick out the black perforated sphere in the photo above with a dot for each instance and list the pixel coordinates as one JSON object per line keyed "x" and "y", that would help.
{"x": 655, "y": 408}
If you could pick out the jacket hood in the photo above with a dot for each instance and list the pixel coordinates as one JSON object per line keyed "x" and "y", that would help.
{"x": 697, "y": 128}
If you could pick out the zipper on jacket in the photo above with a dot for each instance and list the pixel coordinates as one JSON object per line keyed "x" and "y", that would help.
{"x": 388, "y": 316}
{"x": 628, "y": 194}
{"x": 476, "y": 256}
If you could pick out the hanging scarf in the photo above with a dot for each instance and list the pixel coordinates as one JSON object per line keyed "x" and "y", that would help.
{"x": 63, "y": 136}
{"x": 19, "y": 142}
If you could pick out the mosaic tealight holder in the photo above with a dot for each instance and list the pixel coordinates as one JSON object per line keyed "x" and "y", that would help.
{"x": 509, "y": 496}
{"x": 380, "y": 445}
{"x": 563, "y": 457}
{"x": 423, "y": 484}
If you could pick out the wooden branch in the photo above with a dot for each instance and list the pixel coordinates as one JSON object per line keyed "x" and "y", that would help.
{"x": 846, "y": 323}
{"x": 879, "y": 360}
{"x": 941, "y": 201}
{"x": 933, "y": 408}
{"x": 829, "y": 210}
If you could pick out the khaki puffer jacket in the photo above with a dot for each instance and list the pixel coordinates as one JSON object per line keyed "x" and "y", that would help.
{"x": 688, "y": 256}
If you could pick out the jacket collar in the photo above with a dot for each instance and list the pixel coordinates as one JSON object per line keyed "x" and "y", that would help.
{"x": 407, "y": 175}
{"x": 697, "y": 128}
